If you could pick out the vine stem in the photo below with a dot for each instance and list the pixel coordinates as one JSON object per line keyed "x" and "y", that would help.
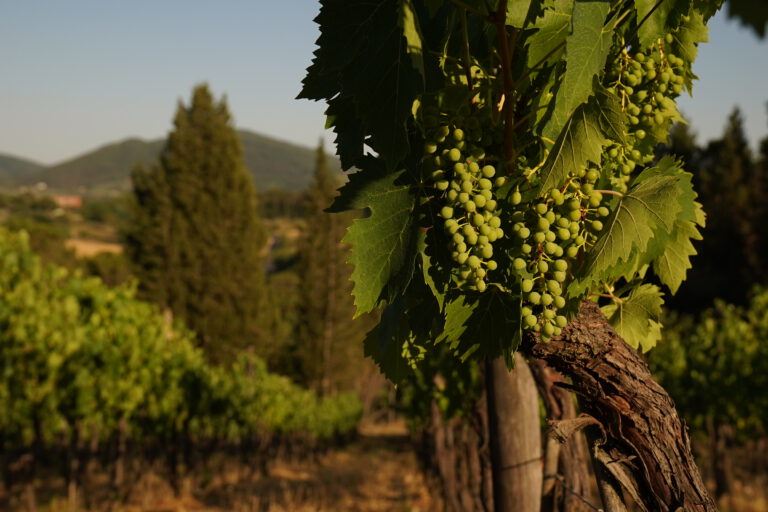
{"x": 505, "y": 56}
{"x": 467, "y": 59}
{"x": 611, "y": 192}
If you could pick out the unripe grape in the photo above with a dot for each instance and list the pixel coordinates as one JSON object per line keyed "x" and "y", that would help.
{"x": 479, "y": 201}
{"x": 487, "y": 251}
{"x": 470, "y": 206}
{"x": 474, "y": 167}
{"x": 560, "y": 320}
{"x": 530, "y": 320}
{"x": 516, "y": 197}
{"x": 603, "y": 211}
{"x": 458, "y": 134}
{"x": 525, "y": 311}
{"x": 563, "y": 234}
{"x": 492, "y": 265}
{"x": 518, "y": 263}
{"x": 546, "y": 299}
{"x": 473, "y": 262}
{"x": 490, "y": 205}
{"x": 446, "y": 212}
{"x": 559, "y": 276}
{"x": 554, "y": 287}
{"x": 559, "y": 301}
{"x": 452, "y": 195}
{"x": 495, "y": 222}
{"x": 524, "y": 233}
{"x": 489, "y": 171}
{"x": 485, "y": 184}
{"x": 458, "y": 238}
{"x": 526, "y": 285}
{"x": 543, "y": 266}
{"x": 454, "y": 155}
{"x": 539, "y": 237}
{"x": 550, "y": 236}
{"x": 560, "y": 265}
{"x": 597, "y": 225}
{"x": 549, "y": 314}
{"x": 542, "y": 224}
{"x": 442, "y": 185}
{"x": 525, "y": 249}
{"x": 534, "y": 297}
{"x": 550, "y": 248}
{"x": 462, "y": 258}
{"x": 500, "y": 181}
{"x": 547, "y": 330}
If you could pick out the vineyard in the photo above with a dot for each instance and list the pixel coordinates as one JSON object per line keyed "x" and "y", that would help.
{"x": 90, "y": 371}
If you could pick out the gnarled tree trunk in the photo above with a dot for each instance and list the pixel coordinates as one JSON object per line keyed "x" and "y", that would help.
{"x": 645, "y": 445}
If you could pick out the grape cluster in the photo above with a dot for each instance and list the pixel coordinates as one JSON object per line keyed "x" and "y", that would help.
{"x": 548, "y": 236}
{"x": 646, "y": 83}
{"x": 464, "y": 188}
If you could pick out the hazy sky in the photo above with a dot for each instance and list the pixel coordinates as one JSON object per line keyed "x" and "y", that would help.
{"x": 82, "y": 73}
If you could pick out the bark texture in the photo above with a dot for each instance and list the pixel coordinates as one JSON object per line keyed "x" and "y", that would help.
{"x": 645, "y": 445}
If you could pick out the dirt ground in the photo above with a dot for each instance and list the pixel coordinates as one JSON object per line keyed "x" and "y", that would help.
{"x": 378, "y": 472}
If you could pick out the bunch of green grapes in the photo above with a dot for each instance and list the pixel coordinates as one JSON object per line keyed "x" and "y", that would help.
{"x": 464, "y": 185}
{"x": 548, "y": 236}
{"x": 647, "y": 84}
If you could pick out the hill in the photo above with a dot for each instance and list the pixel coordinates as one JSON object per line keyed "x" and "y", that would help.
{"x": 271, "y": 162}
{"x": 13, "y": 168}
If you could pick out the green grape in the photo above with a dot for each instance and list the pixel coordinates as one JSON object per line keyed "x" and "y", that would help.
{"x": 526, "y": 285}
{"x": 518, "y": 263}
{"x": 441, "y": 185}
{"x": 559, "y": 302}
{"x": 560, "y": 320}
{"x": 543, "y": 266}
{"x": 454, "y": 155}
{"x": 491, "y": 264}
{"x": 603, "y": 211}
{"x": 597, "y": 225}
{"x": 534, "y": 297}
{"x": 489, "y": 171}
{"x": 560, "y": 265}
{"x": 446, "y": 212}
{"x": 530, "y": 320}
{"x": 473, "y": 262}
{"x": 516, "y": 197}
{"x": 523, "y": 233}
{"x": 546, "y": 299}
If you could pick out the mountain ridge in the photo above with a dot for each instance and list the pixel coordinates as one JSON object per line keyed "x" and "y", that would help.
{"x": 273, "y": 164}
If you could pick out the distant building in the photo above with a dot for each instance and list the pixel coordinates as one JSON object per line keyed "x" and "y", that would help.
{"x": 71, "y": 201}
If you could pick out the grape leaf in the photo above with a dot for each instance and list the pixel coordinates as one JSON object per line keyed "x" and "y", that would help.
{"x": 409, "y": 24}
{"x": 552, "y": 29}
{"x": 518, "y": 12}
{"x": 384, "y": 243}
{"x": 592, "y": 126}
{"x": 674, "y": 262}
{"x": 636, "y": 316}
{"x": 384, "y": 343}
{"x": 657, "y": 18}
{"x": 488, "y": 324}
{"x": 586, "y": 49}
{"x": 647, "y": 211}
{"x": 355, "y": 38}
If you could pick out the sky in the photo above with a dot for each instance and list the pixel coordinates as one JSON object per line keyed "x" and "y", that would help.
{"x": 83, "y": 73}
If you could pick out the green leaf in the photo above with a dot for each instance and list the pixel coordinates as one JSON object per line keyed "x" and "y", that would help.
{"x": 517, "y": 13}
{"x": 647, "y": 211}
{"x": 486, "y": 326}
{"x": 673, "y": 264}
{"x": 409, "y": 24}
{"x": 657, "y": 18}
{"x": 636, "y": 316}
{"x": 426, "y": 266}
{"x": 585, "y": 52}
{"x": 552, "y": 30}
{"x": 355, "y": 39}
{"x": 384, "y": 343}
{"x": 383, "y": 243}
{"x": 592, "y": 126}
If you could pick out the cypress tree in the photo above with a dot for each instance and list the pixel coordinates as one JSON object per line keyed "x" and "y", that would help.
{"x": 197, "y": 239}
{"x": 329, "y": 341}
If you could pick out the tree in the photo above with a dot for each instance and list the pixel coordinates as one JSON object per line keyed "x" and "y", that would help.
{"x": 197, "y": 241}
{"x": 328, "y": 336}
{"x": 513, "y": 204}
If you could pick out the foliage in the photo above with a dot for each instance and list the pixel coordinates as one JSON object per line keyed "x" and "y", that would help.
{"x": 715, "y": 365}
{"x": 512, "y": 170}
{"x": 196, "y": 239}
{"x": 76, "y": 354}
